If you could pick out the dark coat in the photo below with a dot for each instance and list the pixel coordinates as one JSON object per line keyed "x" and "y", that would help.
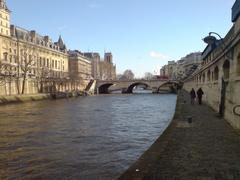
{"x": 193, "y": 94}
{"x": 200, "y": 92}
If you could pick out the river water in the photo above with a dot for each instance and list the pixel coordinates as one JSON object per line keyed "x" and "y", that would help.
{"x": 86, "y": 138}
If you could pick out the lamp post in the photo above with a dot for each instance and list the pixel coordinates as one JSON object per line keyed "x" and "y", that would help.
{"x": 211, "y": 40}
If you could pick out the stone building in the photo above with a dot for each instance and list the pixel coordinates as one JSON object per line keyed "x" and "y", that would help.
{"x": 80, "y": 67}
{"x": 107, "y": 68}
{"x": 95, "y": 60}
{"x": 187, "y": 65}
{"x": 102, "y": 69}
{"x": 219, "y": 76}
{"x": 32, "y": 63}
{"x": 27, "y": 56}
{"x": 168, "y": 70}
{"x": 183, "y": 68}
{"x": 4, "y": 19}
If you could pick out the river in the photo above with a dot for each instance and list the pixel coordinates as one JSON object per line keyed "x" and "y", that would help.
{"x": 86, "y": 138}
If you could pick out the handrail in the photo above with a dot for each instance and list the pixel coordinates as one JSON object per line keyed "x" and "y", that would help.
{"x": 235, "y": 110}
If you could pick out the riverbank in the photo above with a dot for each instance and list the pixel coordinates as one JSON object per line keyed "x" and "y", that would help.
{"x": 37, "y": 97}
{"x": 207, "y": 148}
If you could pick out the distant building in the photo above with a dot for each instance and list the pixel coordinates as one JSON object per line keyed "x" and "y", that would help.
{"x": 191, "y": 62}
{"x": 183, "y": 68}
{"x": 80, "y": 67}
{"x": 95, "y": 60}
{"x": 102, "y": 69}
{"x": 167, "y": 71}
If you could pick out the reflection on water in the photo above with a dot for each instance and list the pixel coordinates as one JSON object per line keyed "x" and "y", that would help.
{"x": 86, "y": 138}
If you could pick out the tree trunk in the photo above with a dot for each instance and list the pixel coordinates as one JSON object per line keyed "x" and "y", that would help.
{"x": 18, "y": 86}
{"x": 23, "y": 83}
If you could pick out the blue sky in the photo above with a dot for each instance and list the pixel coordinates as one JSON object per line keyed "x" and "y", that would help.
{"x": 142, "y": 34}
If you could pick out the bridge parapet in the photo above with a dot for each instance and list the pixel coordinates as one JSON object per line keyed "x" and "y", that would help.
{"x": 127, "y": 86}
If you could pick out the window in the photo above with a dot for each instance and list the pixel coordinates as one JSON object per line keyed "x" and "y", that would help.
{"x": 15, "y": 59}
{"x": 226, "y": 69}
{"x": 40, "y": 62}
{"x": 216, "y": 74}
{"x": 238, "y": 65}
{"x": 5, "y": 55}
{"x": 203, "y": 78}
{"x": 209, "y": 75}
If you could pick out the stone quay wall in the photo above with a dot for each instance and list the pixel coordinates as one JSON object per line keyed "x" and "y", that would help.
{"x": 212, "y": 96}
{"x": 33, "y": 86}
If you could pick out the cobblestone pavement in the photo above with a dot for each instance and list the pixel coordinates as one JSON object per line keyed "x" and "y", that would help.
{"x": 206, "y": 149}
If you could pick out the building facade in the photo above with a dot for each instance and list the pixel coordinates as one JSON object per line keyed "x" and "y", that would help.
{"x": 95, "y": 60}
{"x": 80, "y": 67}
{"x": 183, "y": 68}
{"x": 27, "y": 57}
{"x": 107, "y": 68}
{"x": 219, "y": 76}
{"x": 32, "y": 63}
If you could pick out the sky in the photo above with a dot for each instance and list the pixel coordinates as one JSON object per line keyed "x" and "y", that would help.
{"x": 143, "y": 35}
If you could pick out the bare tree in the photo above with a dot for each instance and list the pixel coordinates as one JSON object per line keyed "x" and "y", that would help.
{"x": 27, "y": 63}
{"x": 119, "y": 76}
{"x": 43, "y": 74}
{"x": 3, "y": 68}
{"x": 128, "y": 74}
{"x": 148, "y": 76}
{"x": 7, "y": 73}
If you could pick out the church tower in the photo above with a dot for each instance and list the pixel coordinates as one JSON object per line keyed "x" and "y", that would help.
{"x": 4, "y": 19}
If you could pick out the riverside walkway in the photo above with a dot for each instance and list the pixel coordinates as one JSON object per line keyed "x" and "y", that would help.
{"x": 206, "y": 149}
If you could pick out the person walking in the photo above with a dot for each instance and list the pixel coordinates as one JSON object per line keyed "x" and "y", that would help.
{"x": 200, "y": 93}
{"x": 193, "y": 96}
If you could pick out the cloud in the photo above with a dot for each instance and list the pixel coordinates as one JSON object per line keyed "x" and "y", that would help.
{"x": 159, "y": 56}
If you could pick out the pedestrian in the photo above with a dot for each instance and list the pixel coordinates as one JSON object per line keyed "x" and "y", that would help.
{"x": 193, "y": 96}
{"x": 200, "y": 93}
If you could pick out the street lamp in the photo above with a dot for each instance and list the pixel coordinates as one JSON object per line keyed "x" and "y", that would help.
{"x": 212, "y": 39}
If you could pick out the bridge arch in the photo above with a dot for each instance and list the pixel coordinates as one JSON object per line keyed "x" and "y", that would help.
{"x": 173, "y": 86}
{"x": 103, "y": 89}
{"x": 130, "y": 88}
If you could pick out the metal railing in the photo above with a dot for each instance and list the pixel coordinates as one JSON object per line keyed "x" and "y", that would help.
{"x": 236, "y": 110}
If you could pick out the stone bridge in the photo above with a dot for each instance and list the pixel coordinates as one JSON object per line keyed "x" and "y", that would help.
{"x": 127, "y": 86}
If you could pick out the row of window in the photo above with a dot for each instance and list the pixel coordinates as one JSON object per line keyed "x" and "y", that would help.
{"x": 42, "y": 62}
{"x": 33, "y": 72}
{"x": 6, "y": 25}
{"x": 41, "y": 42}
{"x": 214, "y": 75}
{"x": 1, "y": 16}
{"x": 6, "y": 32}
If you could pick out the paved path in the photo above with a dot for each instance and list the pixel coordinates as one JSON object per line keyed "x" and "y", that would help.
{"x": 207, "y": 149}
